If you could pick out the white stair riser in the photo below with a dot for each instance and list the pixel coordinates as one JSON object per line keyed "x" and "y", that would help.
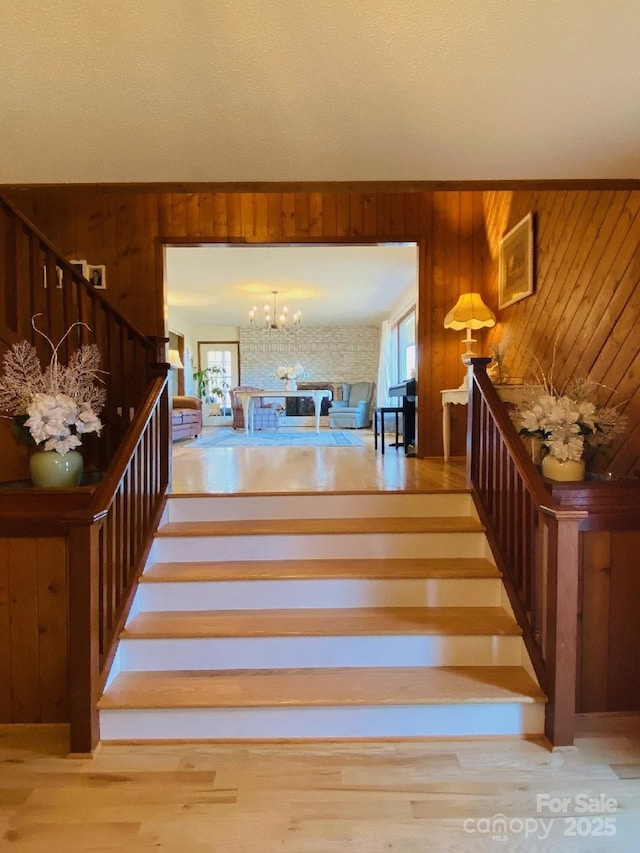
{"x": 335, "y": 593}
{"x": 212, "y": 653}
{"x": 175, "y": 549}
{"x": 446, "y": 720}
{"x": 318, "y": 506}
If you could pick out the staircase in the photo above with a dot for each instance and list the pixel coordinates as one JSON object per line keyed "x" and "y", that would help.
{"x": 320, "y": 616}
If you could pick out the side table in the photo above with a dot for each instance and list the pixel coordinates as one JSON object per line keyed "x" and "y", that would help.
{"x": 460, "y": 397}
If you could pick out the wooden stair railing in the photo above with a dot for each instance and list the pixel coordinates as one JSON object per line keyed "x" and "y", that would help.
{"x": 36, "y": 279}
{"x": 108, "y": 546}
{"x": 535, "y": 544}
{"x": 106, "y": 529}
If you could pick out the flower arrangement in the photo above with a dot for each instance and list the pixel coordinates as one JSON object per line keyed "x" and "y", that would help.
{"x": 296, "y": 371}
{"x": 58, "y": 404}
{"x": 566, "y": 420}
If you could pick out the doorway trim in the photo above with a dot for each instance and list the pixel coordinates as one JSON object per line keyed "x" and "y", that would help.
{"x": 423, "y": 289}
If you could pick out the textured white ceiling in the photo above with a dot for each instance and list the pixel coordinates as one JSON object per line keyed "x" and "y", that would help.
{"x": 331, "y": 285}
{"x": 326, "y": 90}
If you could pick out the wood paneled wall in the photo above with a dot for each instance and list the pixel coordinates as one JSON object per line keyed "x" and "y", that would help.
{"x": 120, "y": 229}
{"x": 609, "y": 632}
{"x": 586, "y": 303}
{"x": 33, "y": 630}
{"x": 587, "y": 297}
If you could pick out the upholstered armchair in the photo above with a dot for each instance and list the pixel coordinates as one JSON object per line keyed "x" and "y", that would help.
{"x": 354, "y": 410}
{"x": 265, "y": 415}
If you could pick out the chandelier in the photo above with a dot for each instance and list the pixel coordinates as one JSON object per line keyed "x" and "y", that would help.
{"x": 274, "y": 321}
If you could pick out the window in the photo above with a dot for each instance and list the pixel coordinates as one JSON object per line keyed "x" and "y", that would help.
{"x": 405, "y": 345}
{"x": 224, "y": 356}
{"x": 221, "y": 359}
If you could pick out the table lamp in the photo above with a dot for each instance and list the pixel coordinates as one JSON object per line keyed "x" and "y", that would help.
{"x": 469, "y": 313}
{"x": 175, "y": 362}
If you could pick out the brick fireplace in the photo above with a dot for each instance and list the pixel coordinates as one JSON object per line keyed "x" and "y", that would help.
{"x": 300, "y": 410}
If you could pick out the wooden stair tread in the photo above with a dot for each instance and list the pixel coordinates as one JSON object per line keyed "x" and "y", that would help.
{"x": 357, "y": 493}
{"x": 444, "y": 567}
{"x": 321, "y": 687}
{"x": 365, "y": 621}
{"x": 310, "y": 526}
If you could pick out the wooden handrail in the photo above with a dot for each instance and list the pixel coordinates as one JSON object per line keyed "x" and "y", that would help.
{"x": 535, "y": 544}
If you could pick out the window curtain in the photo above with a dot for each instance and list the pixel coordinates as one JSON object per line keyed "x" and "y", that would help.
{"x": 386, "y": 364}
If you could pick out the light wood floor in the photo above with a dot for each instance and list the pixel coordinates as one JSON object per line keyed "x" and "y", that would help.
{"x": 207, "y": 470}
{"x": 407, "y": 797}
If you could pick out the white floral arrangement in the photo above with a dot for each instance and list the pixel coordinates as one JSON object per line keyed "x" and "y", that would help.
{"x": 297, "y": 371}
{"x": 566, "y": 420}
{"x": 58, "y": 404}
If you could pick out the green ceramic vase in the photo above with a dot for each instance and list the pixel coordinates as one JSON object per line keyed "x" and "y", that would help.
{"x": 49, "y": 469}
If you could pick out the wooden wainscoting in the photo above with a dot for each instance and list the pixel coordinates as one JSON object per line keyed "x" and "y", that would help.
{"x": 33, "y": 630}
{"x": 609, "y": 629}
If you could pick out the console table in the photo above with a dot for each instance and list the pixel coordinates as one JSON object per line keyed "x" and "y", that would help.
{"x": 247, "y": 398}
{"x": 460, "y": 397}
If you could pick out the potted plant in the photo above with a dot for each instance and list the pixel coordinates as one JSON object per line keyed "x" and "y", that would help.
{"x": 211, "y": 388}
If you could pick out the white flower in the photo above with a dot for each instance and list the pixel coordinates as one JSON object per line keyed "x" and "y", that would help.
{"x": 87, "y": 420}
{"x": 531, "y": 419}
{"x": 290, "y": 372}
{"x": 63, "y": 444}
{"x": 51, "y": 418}
{"x": 587, "y": 415}
{"x": 50, "y": 415}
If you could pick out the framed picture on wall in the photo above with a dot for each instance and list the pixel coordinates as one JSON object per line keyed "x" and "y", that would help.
{"x": 58, "y": 277}
{"x": 81, "y": 267}
{"x": 515, "y": 263}
{"x": 96, "y": 273}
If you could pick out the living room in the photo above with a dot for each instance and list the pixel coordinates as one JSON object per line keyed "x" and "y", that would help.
{"x": 341, "y": 317}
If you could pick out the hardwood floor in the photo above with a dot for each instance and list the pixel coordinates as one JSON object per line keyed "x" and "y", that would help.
{"x": 410, "y": 797}
{"x": 217, "y": 470}
{"x": 328, "y": 797}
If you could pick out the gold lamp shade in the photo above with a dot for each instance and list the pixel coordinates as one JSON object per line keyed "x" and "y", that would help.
{"x": 469, "y": 312}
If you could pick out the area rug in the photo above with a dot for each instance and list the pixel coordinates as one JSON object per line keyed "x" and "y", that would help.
{"x": 271, "y": 438}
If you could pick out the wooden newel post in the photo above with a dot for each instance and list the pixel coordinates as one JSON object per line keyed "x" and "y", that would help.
{"x": 159, "y": 366}
{"x": 83, "y": 658}
{"x": 477, "y": 365}
{"x": 562, "y": 628}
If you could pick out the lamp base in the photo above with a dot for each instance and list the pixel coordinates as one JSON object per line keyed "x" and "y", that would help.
{"x": 466, "y": 356}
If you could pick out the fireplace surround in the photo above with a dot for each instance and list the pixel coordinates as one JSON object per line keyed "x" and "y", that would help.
{"x": 303, "y": 406}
